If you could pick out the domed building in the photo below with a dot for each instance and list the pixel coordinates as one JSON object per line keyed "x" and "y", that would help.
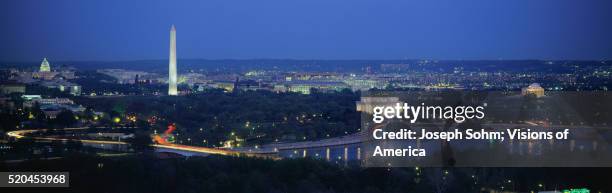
{"x": 533, "y": 89}
{"x": 44, "y": 71}
{"x": 45, "y": 66}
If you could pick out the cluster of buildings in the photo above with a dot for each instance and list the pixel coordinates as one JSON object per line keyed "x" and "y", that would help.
{"x": 7, "y": 88}
{"x": 132, "y": 76}
{"x": 389, "y": 76}
{"x": 324, "y": 82}
{"x": 305, "y": 82}
{"x": 293, "y": 82}
{"x": 44, "y": 76}
{"x": 51, "y": 106}
{"x": 261, "y": 80}
{"x": 16, "y": 82}
{"x": 44, "y": 72}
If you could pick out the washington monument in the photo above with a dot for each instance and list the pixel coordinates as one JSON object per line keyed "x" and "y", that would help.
{"x": 172, "y": 64}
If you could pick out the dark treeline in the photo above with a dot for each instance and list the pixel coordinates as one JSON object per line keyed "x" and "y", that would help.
{"x": 248, "y": 175}
{"x": 94, "y": 82}
{"x": 257, "y": 116}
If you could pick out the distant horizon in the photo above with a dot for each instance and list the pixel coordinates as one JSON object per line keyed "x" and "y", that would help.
{"x": 51, "y": 60}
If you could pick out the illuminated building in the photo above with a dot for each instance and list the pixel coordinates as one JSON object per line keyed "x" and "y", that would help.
{"x": 225, "y": 85}
{"x": 51, "y": 107}
{"x": 64, "y": 86}
{"x": 29, "y": 103}
{"x": 30, "y": 97}
{"x": 279, "y": 88}
{"x": 248, "y": 85}
{"x": 304, "y": 87}
{"x": 44, "y": 71}
{"x": 367, "y": 104}
{"x": 44, "y": 66}
{"x": 172, "y": 64}
{"x": 127, "y": 76}
{"x": 364, "y": 84}
{"x": 9, "y": 88}
{"x": 533, "y": 89}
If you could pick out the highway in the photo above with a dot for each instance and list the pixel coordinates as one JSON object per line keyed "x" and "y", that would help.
{"x": 23, "y": 133}
{"x": 267, "y": 149}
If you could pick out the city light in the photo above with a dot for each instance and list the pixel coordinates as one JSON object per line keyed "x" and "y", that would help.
{"x": 306, "y": 97}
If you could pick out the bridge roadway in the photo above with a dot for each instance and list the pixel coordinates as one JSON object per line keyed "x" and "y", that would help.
{"x": 361, "y": 136}
{"x": 269, "y": 150}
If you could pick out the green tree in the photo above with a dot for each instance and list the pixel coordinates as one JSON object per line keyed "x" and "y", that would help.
{"x": 65, "y": 118}
{"x": 141, "y": 142}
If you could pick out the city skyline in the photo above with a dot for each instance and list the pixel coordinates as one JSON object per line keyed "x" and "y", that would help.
{"x": 314, "y": 96}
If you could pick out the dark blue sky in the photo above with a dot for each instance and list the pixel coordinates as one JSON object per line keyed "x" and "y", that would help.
{"x": 306, "y": 29}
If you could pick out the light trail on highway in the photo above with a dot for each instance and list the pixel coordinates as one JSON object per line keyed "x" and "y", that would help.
{"x": 22, "y": 134}
{"x": 264, "y": 150}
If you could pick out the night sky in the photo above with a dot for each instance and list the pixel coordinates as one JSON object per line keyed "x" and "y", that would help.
{"x": 306, "y": 29}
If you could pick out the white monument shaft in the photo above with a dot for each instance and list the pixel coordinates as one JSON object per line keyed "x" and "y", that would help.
{"x": 172, "y": 64}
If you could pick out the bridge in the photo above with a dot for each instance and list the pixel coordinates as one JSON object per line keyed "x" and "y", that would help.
{"x": 342, "y": 148}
